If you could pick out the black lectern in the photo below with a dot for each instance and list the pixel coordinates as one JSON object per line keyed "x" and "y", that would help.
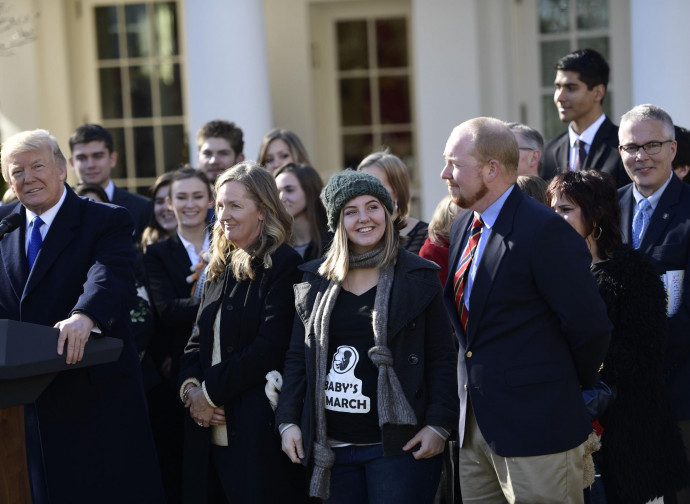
{"x": 28, "y": 363}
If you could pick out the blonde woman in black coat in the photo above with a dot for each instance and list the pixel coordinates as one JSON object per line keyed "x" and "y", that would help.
{"x": 242, "y": 331}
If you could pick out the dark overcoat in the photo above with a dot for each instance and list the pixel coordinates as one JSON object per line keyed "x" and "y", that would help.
{"x": 254, "y": 336}
{"x": 95, "y": 433}
{"x": 419, "y": 337}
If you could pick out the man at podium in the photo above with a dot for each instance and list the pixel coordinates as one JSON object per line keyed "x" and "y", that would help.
{"x": 69, "y": 265}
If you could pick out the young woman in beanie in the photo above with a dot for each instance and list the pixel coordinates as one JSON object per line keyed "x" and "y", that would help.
{"x": 369, "y": 388}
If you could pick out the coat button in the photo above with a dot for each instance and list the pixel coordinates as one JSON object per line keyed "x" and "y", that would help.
{"x": 229, "y": 349}
{"x": 413, "y": 359}
{"x": 465, "y": 387}
{"x": 228, "y": 307}
{"x": 468, "y": 354}
{"x": 411, "y": 325}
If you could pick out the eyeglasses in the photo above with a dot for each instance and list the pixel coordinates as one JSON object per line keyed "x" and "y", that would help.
{"x": 649, "y": 147}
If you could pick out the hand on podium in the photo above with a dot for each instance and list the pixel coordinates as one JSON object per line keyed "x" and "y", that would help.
{"x": 75, "y": 331}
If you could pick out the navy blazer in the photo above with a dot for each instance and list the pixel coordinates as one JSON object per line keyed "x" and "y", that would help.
{"x": 529, "y": 346}
{"x": 667, "y": 243}
{"x": 603, "y": 155}
{"x": 140, "y": 209}
{"x": 95, "y": 433}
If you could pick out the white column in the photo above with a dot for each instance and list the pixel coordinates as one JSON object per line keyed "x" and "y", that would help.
{"x": 447, "y": 80}
{"x": 660, "y": 64}
{"x": 227, "y": 70}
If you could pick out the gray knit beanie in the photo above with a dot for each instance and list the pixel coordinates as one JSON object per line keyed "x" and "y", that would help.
{"x": 347, "y": 185}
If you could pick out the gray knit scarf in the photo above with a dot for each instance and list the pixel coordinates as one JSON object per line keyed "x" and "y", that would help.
{"x": 393, "y": 407}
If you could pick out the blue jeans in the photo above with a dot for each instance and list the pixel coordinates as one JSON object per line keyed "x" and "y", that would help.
{"x": 363, "y": 475}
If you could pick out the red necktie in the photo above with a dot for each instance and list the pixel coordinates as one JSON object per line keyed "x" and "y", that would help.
{"x": 464, "y": 268}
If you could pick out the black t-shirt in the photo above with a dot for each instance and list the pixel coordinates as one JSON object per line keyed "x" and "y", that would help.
{"x": 351, "y": 383}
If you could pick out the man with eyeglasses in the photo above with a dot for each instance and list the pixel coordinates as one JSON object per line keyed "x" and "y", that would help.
{"x": 591, "y": 141}
{"x": 531, "y": 145}
{"x": 655, "y": 218}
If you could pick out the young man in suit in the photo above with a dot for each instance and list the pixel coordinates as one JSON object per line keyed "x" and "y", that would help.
{"x": 655, "y": 218}
{"x": 93, "y": 158}
{"x": 69, "y": 265}
{"x": 591, "y": 142}
{"x": 518, "y": 287}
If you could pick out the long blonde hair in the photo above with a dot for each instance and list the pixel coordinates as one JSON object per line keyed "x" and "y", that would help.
{"x": 337, "y": 259}
{"x": 276, "y": 225}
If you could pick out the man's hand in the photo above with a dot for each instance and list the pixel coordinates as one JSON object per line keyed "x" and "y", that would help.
{"x": 75, "y": 331}
{"x": 430, "y": 444}
{"x": 201, "y": 411}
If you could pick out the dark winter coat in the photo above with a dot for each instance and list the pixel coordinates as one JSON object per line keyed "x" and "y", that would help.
{"x": 254, "y": 336}
{"x": 642, "y": 454}
{"x": 419, "y": 337}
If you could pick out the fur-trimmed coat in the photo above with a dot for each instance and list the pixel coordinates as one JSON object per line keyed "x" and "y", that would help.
{"x": 642, "y": 454}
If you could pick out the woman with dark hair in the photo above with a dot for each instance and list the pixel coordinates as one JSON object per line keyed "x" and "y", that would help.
{"x": 299, "y": 186}
{"x": 369, "y": 390}
{"x": 162, "y": 223}
{"x": 93, "y": 191}
{"x": 168, "y": 265}
{"x": 394, "y": 176}
{"x": 279, "y": 147}
{"x": 242, "y": 331}
{"x": 641, "y": 454}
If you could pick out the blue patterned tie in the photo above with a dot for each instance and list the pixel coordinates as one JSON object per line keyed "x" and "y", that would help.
{"x": 35, "y": 241}
{"x": 640, "y": 221}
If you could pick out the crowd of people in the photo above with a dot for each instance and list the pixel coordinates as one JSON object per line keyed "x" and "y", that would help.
{"x": 287, "y": 340}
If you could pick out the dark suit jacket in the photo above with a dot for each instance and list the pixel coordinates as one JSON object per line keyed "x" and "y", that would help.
{"x": 254, "y": 335}
{"x": 167, "y": 267}
{"x": 95, "y": 433}
{"x": 537, "y": 331}
{"x": 667, "y": 243}
{"x": 140, "y": 209}
{"x": 603, "y": 155}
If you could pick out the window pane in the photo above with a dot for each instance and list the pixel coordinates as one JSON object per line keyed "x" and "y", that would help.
{"x": 106, "y": 33}
{"x": 353, "y": 46}
{"x": 394, "y": 96}
{"x": 144, "y": 151}
{"x": 356, "y": 148}
{"x": 140, "y": 86}
{"x": 170, "y": 89}
{"x": 111, "y": 93}
{"x": 600, "y": 44}
{"x": 400, "y": 144}
{"x": 355, "y": 102}
{"x": 592, "y": 14}
{"x": 552, "y": 123}
{"x": 165, "y": 18}
{"x": 391, "y": 43}
{"x": 550, "y": 53}
{"x": 553, "y": 16}
{"x": 120, "y": 169}
{"x": 138, "y": 31}
{"x": 174, "y": 146}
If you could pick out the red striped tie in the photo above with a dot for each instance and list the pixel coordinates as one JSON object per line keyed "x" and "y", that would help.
{"x": 464, "y": 269}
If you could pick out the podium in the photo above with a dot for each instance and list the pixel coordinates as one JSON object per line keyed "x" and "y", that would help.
{"x": 28, "y": 363}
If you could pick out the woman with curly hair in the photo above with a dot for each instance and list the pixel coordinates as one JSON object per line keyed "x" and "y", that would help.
{"x": 242, "y": 331}
{"x": 641, "y": 454}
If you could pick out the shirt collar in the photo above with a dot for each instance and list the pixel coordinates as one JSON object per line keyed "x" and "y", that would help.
{"x": 655, "y": 197}
{"x": 49, "y": 215}
{"x": 587, "y": 135}
{"x": 490, "y": 215}
{"x": 189, "y": 246}
{"x": 110, "y": 190}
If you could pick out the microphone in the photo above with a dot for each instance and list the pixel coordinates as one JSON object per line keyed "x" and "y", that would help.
{"x": 9, "y": 224}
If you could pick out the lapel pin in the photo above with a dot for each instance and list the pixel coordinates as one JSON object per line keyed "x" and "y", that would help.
{"x": 665, "y": 216}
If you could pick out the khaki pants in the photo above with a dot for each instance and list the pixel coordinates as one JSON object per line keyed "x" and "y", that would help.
{"x": 488, "y": 478}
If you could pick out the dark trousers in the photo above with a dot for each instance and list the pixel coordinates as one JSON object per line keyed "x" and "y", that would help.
{"x": 363, "y": 475}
